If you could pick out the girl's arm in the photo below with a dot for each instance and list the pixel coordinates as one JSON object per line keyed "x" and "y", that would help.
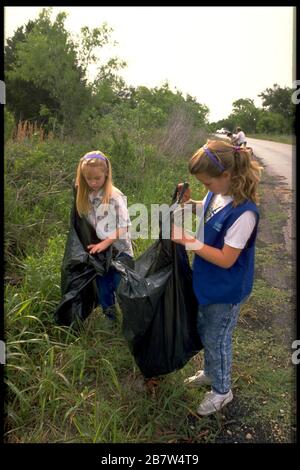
{"x": 224, "y": 257}
{"x": 104, "y": 244}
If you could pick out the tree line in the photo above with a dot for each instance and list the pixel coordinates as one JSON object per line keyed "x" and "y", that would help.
{"x": 276, "y": 116}
{"x": 46, "y": 75}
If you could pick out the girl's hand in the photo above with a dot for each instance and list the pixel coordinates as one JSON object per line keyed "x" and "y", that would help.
{"x": 187, "y": 194}
{"x": 96, "y": 248}
{"x": 178, "y": 235}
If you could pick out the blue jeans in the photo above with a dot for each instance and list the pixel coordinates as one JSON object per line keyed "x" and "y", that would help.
{"x": 215, "y": 324}
{"x": 108, "y": 284}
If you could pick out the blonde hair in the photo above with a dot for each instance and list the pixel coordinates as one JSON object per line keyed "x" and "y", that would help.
{"x": 245, "y": 172}
{"x": 83, "y": 204}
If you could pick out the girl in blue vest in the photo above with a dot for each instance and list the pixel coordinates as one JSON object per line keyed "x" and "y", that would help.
{"x": 223, "y": 266}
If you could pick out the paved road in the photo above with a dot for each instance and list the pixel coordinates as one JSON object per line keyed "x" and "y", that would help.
{"x": 280, "y": 161}
{"x": 278, "y": 158}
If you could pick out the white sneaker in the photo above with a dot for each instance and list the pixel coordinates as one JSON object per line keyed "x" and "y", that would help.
{"x": 198, "y": 379}
{"x": 213, "y": 402}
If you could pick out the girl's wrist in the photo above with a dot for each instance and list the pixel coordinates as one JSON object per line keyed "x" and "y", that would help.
{"x": 107, "y": 242}
{"x": 193, "y": 244}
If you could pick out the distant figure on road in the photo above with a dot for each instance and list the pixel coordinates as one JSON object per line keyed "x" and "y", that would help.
{"x": 240, "y": 138}
{"x": 231, "y": 136}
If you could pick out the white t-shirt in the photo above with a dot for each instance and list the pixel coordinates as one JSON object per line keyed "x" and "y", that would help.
{"x": 107, "y": 218}
{"x": 241, "y": 138}
{"x": 240, "y": 231}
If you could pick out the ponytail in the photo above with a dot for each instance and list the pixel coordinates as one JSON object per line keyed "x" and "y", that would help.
{"x": 245, "y": 177}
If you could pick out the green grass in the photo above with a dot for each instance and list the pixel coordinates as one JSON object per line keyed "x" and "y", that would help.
{"x": 284, "y": 139}
{"x": 63, "y": 387}
{"x": 267, "y": 384}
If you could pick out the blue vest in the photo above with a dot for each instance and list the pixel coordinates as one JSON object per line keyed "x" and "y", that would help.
{"x": 213, "y": 284}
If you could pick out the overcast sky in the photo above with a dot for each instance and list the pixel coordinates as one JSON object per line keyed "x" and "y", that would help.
{"x": 215, "y": 54}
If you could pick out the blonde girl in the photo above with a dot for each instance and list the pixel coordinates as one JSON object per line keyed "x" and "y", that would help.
{"x": 105, "y": 208}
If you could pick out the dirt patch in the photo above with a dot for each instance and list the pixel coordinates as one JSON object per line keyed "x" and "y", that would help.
{"x": 233, "y": 427}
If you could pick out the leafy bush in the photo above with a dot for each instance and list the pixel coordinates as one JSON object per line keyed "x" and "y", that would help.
{"x": 270, "y": 122}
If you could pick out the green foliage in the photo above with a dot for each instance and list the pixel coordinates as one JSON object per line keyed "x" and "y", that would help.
{"x": 9, "y": 124}
{"x": 270, "y": 122}
{"x": 24, "y": 97}
{"x": 276, "y": 116}
{"x": 52, "y": 376}
{"x": 279, "y": 100}
{"x": 282, "y": 138}
{"x": 39, "y": 175}
{"x": 163, "y": 98}
{"x": 47, "y": 70}
{"x": 46, "y": 58}
{"x": 63, "y": 387}
{"x": 89, "y": 41}
{"x": 245, "y": 114}
{"x": 43, "y": 269}
{"x": 38, "y": 194}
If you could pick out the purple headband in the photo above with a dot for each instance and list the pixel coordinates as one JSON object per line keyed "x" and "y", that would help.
{"x": 95, "y": 155}
{"x": 213, "y": 158}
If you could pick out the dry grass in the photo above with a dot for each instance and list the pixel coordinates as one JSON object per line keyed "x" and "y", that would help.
{"x": 27, "y": 130}
{"x": 180, "y": 137}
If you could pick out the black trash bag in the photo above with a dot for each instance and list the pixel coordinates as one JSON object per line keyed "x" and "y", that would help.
{"x": 78, "y": 272}
{"x": 159, "y": 308}
{"x": 155, "y": 294}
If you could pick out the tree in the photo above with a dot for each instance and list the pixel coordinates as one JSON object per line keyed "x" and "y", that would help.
{"x": 161, "y": 103}
{"x": 229, "y": 123}
{"x": 277, "y": 114}
{"x": 48, "y": 60}
{"x": 23, "y": 97}
{"x": 279, "y": 100}
{"x": 269, "y": 122}
{"x": 20, "y": 35}
{"x": 245, "y": 114}
{"x": 89, "y": 40}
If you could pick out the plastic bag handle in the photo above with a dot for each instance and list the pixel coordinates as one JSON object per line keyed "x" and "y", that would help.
{"x": 183, "y": 190}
